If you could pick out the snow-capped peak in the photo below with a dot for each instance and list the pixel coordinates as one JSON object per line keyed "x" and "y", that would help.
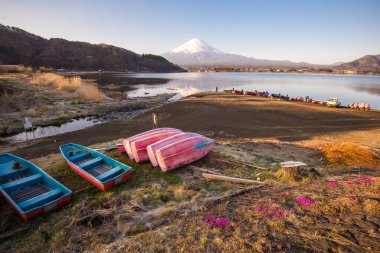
{"x": 194, "y": 46}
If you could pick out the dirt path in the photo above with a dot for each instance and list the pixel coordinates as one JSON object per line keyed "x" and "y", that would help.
{"x": 229, "y": 117}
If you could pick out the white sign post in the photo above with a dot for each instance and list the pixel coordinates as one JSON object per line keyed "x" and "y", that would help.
{"x": 28, "y": 125}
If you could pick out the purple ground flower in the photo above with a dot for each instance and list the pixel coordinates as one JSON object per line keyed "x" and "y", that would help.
{"x": 305, "y": 201}
{"x": 262, "y": 208}
{"x": 364, "y": 180}
{"x": 210, "y": 220}
{"x": 222, "y": 223}
{"x": 333, "y": 184}
{"x": 216, "y": 222}
{"x": 353, "y": 197}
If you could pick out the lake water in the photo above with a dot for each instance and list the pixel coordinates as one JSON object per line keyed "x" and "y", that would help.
{"x": 347, "y": 88}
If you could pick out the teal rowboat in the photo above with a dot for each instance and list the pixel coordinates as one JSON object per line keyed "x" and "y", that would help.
{"x": 28, "y": 189}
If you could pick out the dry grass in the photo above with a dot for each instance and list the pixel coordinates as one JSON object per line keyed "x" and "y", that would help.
{"x": 372, "y": 206}
{"x": 83, "y": 90}
{"x": 349, "y": 154}
{"x": 89, "y": 92}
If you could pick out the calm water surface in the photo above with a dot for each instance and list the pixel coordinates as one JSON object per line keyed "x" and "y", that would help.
{"x": 319, "y": 87}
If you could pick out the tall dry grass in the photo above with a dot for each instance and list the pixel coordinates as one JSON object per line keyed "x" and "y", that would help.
{"x": 349, "y": 154}
{"x": 83, "y": 90}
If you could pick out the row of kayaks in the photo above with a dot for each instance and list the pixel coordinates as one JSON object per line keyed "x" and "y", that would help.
{"x": 332, "y": 102}
{"x": 168, "y": 148}
{"x": 30, "y": 191}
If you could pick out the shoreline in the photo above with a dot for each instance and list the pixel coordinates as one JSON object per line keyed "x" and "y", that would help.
{"x": 216, "y": 114}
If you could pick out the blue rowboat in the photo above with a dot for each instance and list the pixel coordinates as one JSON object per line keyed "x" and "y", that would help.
{"x": 28, "y": 189}
{"x": 97, "y": 168}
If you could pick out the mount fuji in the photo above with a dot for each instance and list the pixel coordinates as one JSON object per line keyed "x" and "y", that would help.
{"x": 196, "y": 52}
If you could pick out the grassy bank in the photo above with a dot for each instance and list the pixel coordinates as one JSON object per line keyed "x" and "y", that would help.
{"x": 54, "y": 100}
{"x": 177, "y": 211}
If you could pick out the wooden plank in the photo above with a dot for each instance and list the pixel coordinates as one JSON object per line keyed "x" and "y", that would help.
{"x": 230, "y": 179}
{"x": 289, "y": 164}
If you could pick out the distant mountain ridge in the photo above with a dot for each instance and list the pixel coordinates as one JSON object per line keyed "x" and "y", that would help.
{"x": 20, "y": 47}
{"x": 196, "y": 52}
{"x": 366, "y": 63}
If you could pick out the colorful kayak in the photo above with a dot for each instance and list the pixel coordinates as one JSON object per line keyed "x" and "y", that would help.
{"x": 127, "y": 141}
{"x": 99, "y": 169}
{"x": 151, "y": 149}
{"x": 139, "y": 145}
{"x": 183, "y": 152}
{"x": 28, "y": 189}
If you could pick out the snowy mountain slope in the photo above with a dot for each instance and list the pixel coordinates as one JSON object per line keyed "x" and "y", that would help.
{"x": 196, "y": 52}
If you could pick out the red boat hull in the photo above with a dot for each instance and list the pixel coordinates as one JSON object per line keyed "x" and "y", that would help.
{"x": 120, "y": 148}
{"x": 27, "y": 216}
{"x": 122, "y": 178}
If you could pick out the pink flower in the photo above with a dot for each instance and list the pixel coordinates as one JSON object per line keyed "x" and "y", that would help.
{"x": 349, "y": 182}
{"x": 364, "y": 180}
{"x": 216, "y": 222}
{"x": 222, "y": 223}
{"x": 353, "y": 197}
{"x": 333, "y": 184}
{"x": 262, "y": 208}
{"x": 305, "y": 201}
{"x": 210, "y": 220}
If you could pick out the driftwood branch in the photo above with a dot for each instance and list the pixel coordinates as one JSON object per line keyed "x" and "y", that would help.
{"x": 230, "y": 179}
{"x": 236, "y": 193}
{"x": 105, "y": 149}
{"x": 12, "y": 233}
{"x": 203, "y": 170}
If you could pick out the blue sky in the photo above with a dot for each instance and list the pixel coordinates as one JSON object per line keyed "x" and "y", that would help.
{"x": 313, "y": 31}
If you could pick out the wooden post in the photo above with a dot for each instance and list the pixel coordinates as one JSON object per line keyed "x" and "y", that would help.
{"x": 155, "y": 120}
{"x": 291, "y": 171}
{"x": 292, "y": 168}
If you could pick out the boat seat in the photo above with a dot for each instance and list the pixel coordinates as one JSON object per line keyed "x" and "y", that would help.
{"x": 92, "y": 163}
{"x": 21, "y": 183}
{"x": 40, "y": 200}
{"x": 79, "y": 156}
{"x": 110, "y": 174}
{"x": 13, "y": 173}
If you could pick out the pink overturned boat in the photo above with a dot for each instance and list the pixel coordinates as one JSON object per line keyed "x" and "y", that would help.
{"x": 151, "y": 149}
{"x": 127, "y": 141}
{"x": 140, "y": 144}
{"x": 183, "y": 152}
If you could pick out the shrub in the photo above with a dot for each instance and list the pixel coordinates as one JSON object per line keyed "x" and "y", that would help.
{"x": 81, "y": 89}
{"x": 89, "y": 92}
